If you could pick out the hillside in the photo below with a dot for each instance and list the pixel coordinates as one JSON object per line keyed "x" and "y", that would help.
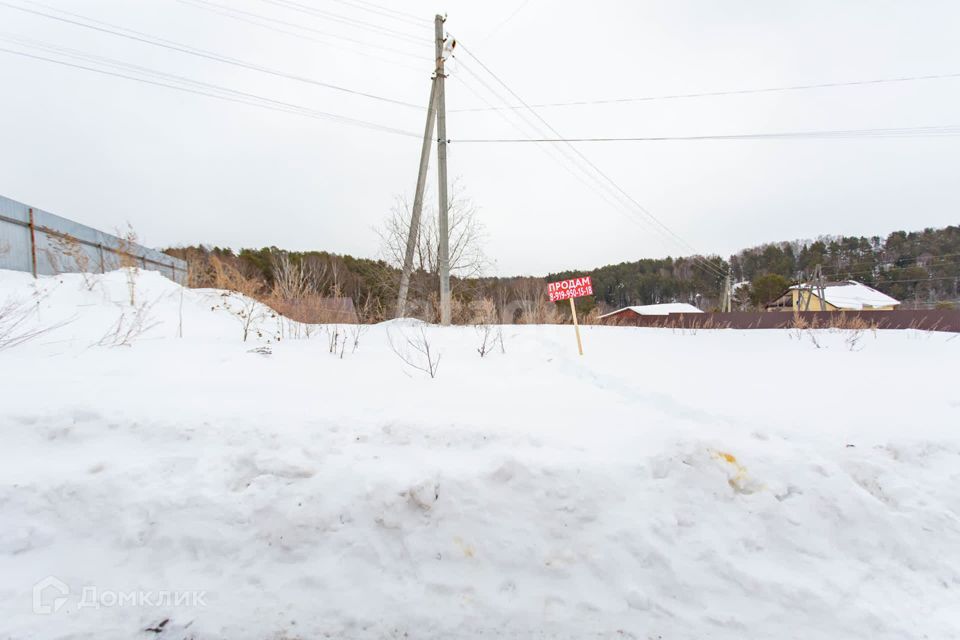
{"x": 920, "y": 268}
{"x": 656, "y": 487}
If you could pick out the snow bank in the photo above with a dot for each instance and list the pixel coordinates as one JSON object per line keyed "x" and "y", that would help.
{"x": 675, "y": 484}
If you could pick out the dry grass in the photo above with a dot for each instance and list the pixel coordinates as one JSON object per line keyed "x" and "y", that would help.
{"x": 129, "y": 326}
{"x": 70, "y": 248}
{"x": 16, "y": 318}
{"x": 239, "y": 297}
{"x": 126, "y": 248}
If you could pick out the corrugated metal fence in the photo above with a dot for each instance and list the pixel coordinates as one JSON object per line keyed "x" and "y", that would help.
{"x": 42, "y": 243}
{"x": 925, "y": 320}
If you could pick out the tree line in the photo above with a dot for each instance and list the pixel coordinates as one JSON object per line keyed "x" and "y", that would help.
{"x": 919, "y": 268}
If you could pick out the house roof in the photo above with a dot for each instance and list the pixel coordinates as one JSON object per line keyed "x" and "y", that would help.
{"x": 851, "y": 294}
{"x": 658, "y": 309}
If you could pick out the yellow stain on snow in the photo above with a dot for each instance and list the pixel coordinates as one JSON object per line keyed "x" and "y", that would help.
{"x": 739, "y": 477}
{"x": 466, "y": 548}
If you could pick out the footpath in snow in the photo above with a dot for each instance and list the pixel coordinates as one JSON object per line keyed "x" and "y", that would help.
{"x": 158, "y": 472}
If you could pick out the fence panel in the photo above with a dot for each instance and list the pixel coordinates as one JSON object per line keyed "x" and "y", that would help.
{"x": 15, "y": 243}
{"x": 43, "y": 243}
{"x": 923, "y": 319}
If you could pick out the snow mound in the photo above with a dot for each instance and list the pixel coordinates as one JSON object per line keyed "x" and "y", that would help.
{"x": 81, "y": 310}
{"x": 665, "y": 484}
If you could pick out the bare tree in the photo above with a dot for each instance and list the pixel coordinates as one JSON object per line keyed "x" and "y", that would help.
{"x": 295, "y": 281}
{"x": 416, "y": 351}
{"x": 467, "y": 237}
{"x": 534, "y": 305}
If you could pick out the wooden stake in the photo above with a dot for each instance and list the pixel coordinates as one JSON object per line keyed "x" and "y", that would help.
{"x": 573, "y": 311}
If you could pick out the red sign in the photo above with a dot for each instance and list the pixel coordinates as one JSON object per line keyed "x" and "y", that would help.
{"x": 572, "y": 288}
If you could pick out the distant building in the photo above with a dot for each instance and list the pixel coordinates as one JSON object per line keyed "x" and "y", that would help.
{"x": 317, "y": 310}
{"x": 628, "y": 313}
{"x": 848, "y": 295}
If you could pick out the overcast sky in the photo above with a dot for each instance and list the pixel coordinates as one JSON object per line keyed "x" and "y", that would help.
{"x": 185, "y": 169}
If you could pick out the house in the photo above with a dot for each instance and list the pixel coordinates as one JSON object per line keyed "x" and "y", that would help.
{"x": 848, "y": 295}
{"x": 318, "y": 310}
{"x": 629, "y": 313}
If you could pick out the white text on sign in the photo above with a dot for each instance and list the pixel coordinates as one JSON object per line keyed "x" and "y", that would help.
{"x": 572, "y": 288}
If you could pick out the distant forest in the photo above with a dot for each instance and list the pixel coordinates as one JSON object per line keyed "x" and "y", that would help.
{"x": 920, "y": 268}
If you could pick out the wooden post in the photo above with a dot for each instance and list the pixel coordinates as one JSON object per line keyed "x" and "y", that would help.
{"x": 33, "y": 244}
{"x": 576, "y": 326}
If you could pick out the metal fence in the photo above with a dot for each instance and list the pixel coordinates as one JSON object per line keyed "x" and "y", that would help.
{"x": 925, "y": 320}
{"x": 42, "y": 243}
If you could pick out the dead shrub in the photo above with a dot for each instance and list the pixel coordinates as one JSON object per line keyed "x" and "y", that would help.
{"x": 239, "y": 296}
{"x": 15, "y": 322}
{"x": 415, "y": 351}
{"x": 129, "y": 326}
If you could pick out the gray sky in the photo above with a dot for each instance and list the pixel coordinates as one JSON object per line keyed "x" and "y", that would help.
{"x": 185, "y": 169}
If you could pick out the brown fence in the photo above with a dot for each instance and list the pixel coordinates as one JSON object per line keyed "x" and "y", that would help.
{"x": 925, "y": 320}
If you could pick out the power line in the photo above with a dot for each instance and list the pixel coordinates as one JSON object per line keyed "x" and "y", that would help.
{"x": 883, "y": 282}
{"x": 874, "y": 272}
{"x": 504, "y": 22}
{"x": 287, "y": 23}
{"x": 366, "y": 45}
{"x": 582, "y": 173}
{"x": 302, "y": 36}
{"x": 903, "y": 132}
{"x": 880, "y": 261}
{"x": 351, "y": 22}
{"x": 549, "y": 150}
{"x": 384, "y": 11}
{"x": 605, "y": 178}
{"x": 226, "y": 94}
{"x": 730, "y": 92}
{"x": 174, "y": 46}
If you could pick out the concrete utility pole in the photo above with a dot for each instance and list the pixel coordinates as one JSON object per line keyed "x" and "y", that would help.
{"x": 414, "y": 233}
{"x": 821, "y": 291}
{"x": 443, "y": 251}
{"x": 726, "y": 303}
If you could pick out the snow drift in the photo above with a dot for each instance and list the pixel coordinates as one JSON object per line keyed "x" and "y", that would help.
{"x": 674, "y": 484}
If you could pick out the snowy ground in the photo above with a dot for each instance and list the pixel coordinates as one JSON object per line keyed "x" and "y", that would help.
{"x": 668, "y": 484}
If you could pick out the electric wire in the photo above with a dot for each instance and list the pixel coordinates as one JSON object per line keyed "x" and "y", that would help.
{"x": 504, "y": 22}
{"x": 202, "y": 53}
{"x": 844, "y": 134}
{"x": 303, "y": 36}
{"x": 730, "y": 92}
{"x": 875, "y": 272}
{"x": 567, "y": 160}
{"x": 697, "y": 256}
{"x": 871, "y": 263}
{"x": 287, "y": 23}
{"x": 621, "y": 206}
{"x": 345, "y": 20}
{"x": 384, "y": 11}
{"x": 218, "y": 92}
{"x": 549, "y": 150}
